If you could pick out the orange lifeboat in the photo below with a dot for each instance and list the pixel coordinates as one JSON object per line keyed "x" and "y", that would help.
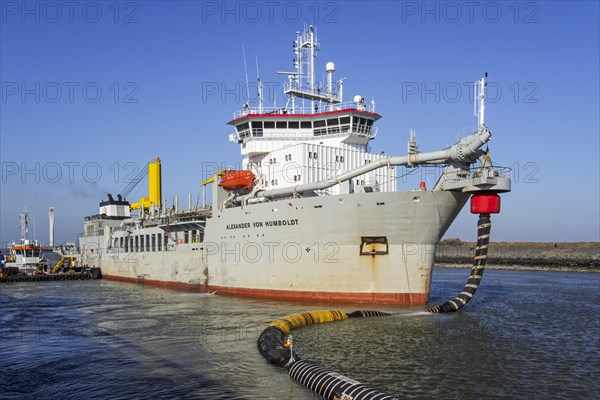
{"x": 236, "y": 180}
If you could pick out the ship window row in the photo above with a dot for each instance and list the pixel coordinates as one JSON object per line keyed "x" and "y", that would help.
{"x": 313, "y": 155}
{"x": 155, "y": 241}
{"x": 329, "y": 126}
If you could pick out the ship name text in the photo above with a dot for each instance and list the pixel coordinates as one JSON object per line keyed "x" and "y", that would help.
{"x": 263, "y": 224}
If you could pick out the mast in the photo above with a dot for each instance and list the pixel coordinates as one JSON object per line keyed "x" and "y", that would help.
{"x": 479, "y": 99}
{"x": 24, "y": 226}
{"x": 260, "y": 88}
{"x": 301, "y": 82}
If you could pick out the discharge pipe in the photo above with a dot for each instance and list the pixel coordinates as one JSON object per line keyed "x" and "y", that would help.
{"x": 484, "y": 204}
{"x": 467, "y": 150}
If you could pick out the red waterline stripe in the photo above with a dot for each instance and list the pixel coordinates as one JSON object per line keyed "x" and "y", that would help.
{"x": 299, "y": 295}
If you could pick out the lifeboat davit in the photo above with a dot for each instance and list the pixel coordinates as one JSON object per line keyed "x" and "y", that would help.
{"x": 236, "y": 180}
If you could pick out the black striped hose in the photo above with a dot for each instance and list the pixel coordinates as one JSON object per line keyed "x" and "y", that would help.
{"x": 329, "y": 384}
{"x": 483, "y": 240}
{"x": 322, "y": 381}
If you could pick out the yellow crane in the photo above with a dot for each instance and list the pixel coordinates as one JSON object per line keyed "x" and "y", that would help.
{"x": 69, "y": 260}
{"x": 154, "y": 188}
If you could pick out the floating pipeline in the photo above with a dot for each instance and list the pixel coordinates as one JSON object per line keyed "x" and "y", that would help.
{"x": 329, "y": 384}
{"x": 322, "y": 381}
{"x": 271, "y": 341}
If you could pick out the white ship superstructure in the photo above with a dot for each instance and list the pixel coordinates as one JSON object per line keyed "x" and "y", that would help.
{"x": 313, "y": 214}
{"x": 315, "y": 135}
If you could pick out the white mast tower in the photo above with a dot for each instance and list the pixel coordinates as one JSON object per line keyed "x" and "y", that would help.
{"x": 301, "y": 84}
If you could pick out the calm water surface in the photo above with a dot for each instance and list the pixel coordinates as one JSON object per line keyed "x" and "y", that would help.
{"x": 530, "y": 335}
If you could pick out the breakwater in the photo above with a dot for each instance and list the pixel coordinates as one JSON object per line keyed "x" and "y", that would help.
{"x": 560, "y": 256}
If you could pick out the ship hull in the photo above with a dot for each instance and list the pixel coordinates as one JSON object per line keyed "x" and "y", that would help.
{"x": 370, "y": 247}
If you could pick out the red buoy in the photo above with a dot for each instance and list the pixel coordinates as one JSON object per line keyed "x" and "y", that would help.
{"x": 235, "y": 180}
{"x": 485, "y": 203}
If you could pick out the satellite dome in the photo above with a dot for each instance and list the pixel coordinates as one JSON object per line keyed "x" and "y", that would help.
{"x": 330, "y": 67}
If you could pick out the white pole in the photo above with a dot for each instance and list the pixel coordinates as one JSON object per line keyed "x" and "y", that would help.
{"x": 51, "y": 220}
{"x": 481, "y": 101}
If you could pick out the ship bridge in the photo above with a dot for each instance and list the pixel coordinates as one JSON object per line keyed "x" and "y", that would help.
{"x": 315, "y": 135}
{"x": 347, "y": 125}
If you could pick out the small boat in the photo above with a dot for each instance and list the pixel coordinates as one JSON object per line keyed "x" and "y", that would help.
{"x": 236, "y": 180}
{"x": 26, "y": 256}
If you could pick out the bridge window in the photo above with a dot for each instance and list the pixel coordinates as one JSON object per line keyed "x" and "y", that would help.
{"x": 243, "y": 129}
{"x": 344, "y": 124}
{"x": 333, "y": 126}
{"x": 293, "y": 124}
{"x": 257, "y": 128}
{"x": 306, "y": 124}
{"x": 320, "y": 128}
{"x": 281, "y": 124}
{"x": 269, "y": 124}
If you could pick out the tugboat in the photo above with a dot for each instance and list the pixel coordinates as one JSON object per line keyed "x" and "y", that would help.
{"x": 27, "y": 256}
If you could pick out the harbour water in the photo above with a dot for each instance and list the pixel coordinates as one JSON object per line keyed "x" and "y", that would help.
{"x": 526, "y": 334}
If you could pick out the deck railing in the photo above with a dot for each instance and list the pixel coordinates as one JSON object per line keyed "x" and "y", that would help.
{"x": 320, "y": 107}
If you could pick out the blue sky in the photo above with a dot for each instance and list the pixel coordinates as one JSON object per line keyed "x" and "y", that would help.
{"x": 94, "y": 90}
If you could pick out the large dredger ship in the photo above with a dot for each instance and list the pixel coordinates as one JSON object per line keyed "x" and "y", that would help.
{"x": 311, "y": 215}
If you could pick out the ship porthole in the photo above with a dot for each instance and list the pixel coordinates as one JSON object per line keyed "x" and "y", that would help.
{"x": 416, "y": 199}
{"x": 341, "y": 201}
